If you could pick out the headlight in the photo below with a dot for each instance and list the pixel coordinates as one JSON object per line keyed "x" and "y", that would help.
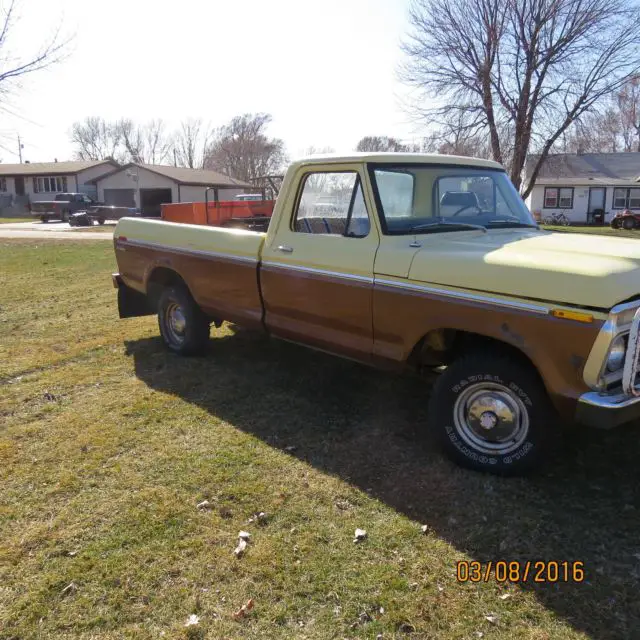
{"x": 618, "y": 350}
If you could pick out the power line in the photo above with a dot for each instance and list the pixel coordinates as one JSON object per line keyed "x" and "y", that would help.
{"x": 6, "y": 109}
{"x": 13, "y": 153}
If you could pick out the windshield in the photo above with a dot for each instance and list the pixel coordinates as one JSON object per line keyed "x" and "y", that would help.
{"x": 435, "y": 198}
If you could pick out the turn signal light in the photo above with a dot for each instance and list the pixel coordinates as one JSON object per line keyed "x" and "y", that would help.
{"x": 578, "y": 316}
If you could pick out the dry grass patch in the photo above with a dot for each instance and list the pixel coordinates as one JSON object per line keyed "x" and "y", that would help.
{"x": 108, "y": 443}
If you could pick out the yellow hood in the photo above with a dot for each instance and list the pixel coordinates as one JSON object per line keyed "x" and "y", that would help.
{"x": 570, "y": 268}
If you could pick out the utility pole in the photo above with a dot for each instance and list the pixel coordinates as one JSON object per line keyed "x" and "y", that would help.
{"x": 20, "y": 147}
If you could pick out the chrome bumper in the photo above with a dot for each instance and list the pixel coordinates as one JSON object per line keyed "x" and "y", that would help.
{"x": 618, "y": 406}
{"x": 607, "y": 411}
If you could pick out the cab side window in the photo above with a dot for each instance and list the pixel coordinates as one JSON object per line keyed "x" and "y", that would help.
{"x": 332, "y": 204}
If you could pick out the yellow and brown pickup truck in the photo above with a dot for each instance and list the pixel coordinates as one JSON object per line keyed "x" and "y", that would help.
{"x": 423, "y": 261}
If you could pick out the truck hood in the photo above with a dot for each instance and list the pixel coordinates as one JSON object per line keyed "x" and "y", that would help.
{"x": 570, "y": 268}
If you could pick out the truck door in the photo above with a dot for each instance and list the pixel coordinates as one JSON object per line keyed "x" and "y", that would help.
{"x": 317, "y": 268}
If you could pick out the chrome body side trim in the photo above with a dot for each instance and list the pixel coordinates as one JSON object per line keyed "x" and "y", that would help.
{"x": 460, "y": 295}
{"x": 320, "y": 272}
{"x": 201, "y": 253}
{"x": 464, "y": 295}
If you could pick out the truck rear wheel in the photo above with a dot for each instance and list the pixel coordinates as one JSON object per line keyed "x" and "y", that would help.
{"x": 183, "y": 326}
{"x": 491, "y": 413}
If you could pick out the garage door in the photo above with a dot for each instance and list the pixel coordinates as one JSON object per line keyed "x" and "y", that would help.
{"x": 152, "y": 199}
{"x": 120, "y": 197}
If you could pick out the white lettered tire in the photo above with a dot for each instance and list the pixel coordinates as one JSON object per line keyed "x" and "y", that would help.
{"x": 491, "y": 412}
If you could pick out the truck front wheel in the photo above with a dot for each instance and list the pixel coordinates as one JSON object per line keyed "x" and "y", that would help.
{"x": 491, "y": 413}
{"x": 183, "y": 326}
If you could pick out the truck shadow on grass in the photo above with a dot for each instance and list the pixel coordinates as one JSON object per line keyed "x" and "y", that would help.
{"x": 364, "y": 426}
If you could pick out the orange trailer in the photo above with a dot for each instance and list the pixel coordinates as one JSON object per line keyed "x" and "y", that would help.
{"x": 246, "y": 214}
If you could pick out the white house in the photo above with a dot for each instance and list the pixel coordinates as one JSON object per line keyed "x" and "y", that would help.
{"x": 148, "y": 186}
{"x": 35, "y": 181}
{"x": 580, "y": 185}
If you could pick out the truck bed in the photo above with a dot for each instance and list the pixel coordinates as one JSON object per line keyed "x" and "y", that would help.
{"x": 191, "y": 237}
{"x": 219, "y": 265}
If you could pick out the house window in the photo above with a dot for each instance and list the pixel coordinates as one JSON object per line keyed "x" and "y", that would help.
{"x": 626, "y": 198}
{"x": 3, "y": 184}
{"x": 558, "y": 198}
{"x": 50, "y": 184}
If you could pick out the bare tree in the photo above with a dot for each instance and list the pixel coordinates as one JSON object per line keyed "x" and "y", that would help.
{"x": 312, "y": 150}
{"x": 131, "y": 137}
{"x": 147, "y": 143}
{"x": 96, "y": 139}
{"x": 381, "y": 143}
{"x": 158, "y": 143}
{"x": 456, "y": 143}
{"x": 596, "y": 132}
{"x": 628, "y": 102}
{"x": 13, "y": 68}
{"x": 191, "y": 142}
{"x": 531, "y": 67}
{"x": 243, "y": 150}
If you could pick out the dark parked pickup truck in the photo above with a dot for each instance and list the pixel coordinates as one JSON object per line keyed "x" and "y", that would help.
{"x": 62, "y": 207}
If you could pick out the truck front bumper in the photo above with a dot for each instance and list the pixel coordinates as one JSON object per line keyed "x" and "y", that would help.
{"x": 605, "y": 411}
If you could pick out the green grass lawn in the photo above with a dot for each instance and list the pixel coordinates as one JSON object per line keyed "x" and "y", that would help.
{"x": 600, "y": 231}
{"x": 10, "y": 220}
{"x": 108, "y": 442}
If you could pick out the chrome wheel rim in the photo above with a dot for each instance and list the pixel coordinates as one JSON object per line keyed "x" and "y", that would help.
{"x": 491, "y": 418}
{"x": 175, "y": 322}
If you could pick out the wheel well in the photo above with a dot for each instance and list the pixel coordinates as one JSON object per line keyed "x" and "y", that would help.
{"x": 159, "y": 279}
{"x": 442, "y": 346}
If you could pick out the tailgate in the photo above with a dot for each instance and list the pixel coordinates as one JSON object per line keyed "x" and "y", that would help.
{"x": 43, "y": 207}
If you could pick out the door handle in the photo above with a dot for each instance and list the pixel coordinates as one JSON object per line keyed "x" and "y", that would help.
{"x": 285, "y": 248}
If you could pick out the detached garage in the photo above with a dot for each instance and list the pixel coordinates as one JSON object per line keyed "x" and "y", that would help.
{"x": 148, "y": 186}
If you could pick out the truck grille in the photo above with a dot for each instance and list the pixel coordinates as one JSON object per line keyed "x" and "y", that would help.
{"x": 630, "y": 372}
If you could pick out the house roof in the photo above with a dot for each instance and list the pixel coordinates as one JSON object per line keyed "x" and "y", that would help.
{"x": 587, "y": 168}
{"x": 50, "y": 168}
{"x": 182, "y": 175}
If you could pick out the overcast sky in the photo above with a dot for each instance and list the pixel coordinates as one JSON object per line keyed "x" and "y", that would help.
{"x": 325, "y": 69}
